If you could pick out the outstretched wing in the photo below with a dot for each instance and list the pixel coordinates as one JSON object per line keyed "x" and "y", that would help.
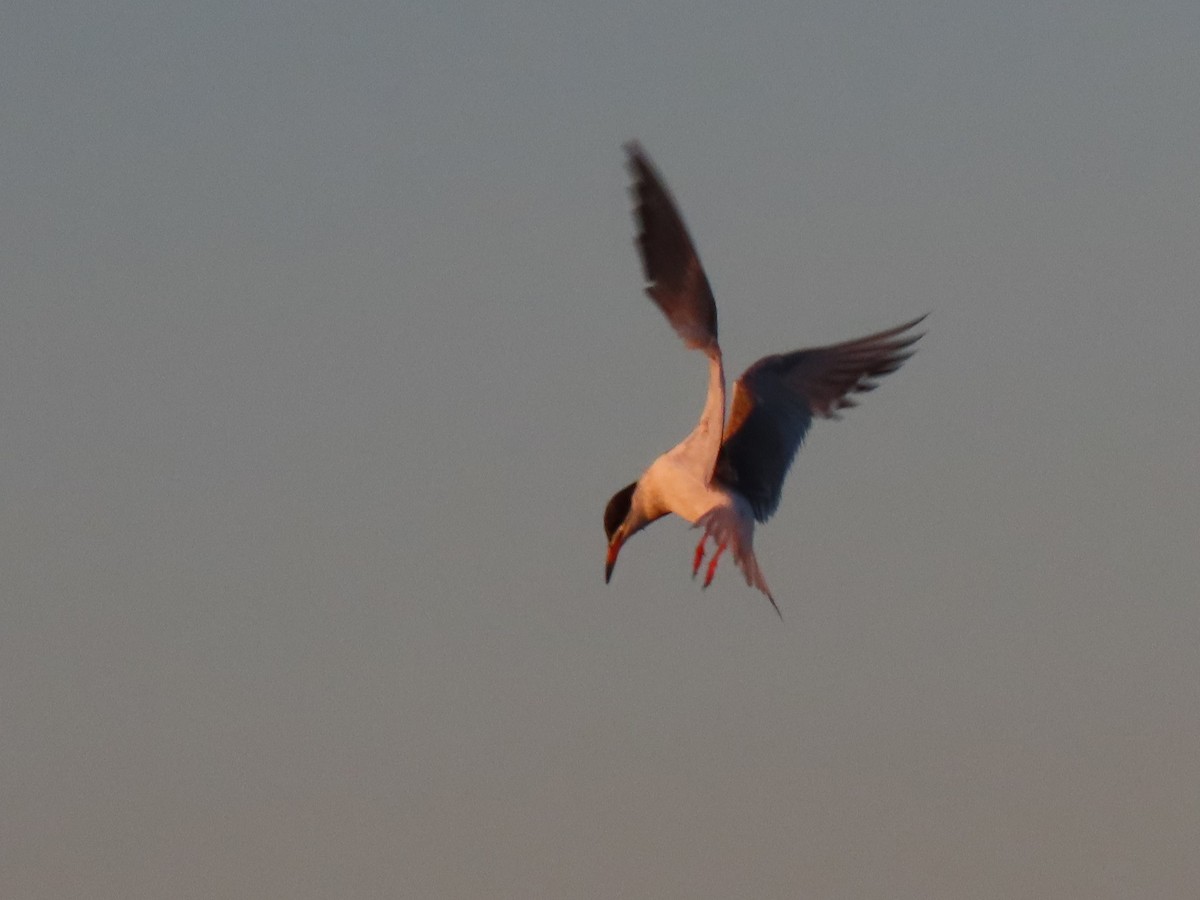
{"x": 776, "y": 398}
{"x": 675, "y": 279}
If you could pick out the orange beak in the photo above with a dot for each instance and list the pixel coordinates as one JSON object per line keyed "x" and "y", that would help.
{"x": 611, "y": 560}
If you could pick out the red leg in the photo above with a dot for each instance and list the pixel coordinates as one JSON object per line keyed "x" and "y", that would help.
{"x": 712, "y": 565}
{"x": 699, "y": 558}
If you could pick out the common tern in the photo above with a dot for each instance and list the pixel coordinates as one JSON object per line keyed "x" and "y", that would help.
{"x": 727, "y": 475}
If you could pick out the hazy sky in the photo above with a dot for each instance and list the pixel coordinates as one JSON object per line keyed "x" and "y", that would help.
{"x": 322, "y": 346}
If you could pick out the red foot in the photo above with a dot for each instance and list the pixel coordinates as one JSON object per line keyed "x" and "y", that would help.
{"x": 712, "y": 565}
{"x": 699, "y": 558}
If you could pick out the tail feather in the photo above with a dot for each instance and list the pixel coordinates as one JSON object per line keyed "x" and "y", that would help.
{"x": 725, "y": 526}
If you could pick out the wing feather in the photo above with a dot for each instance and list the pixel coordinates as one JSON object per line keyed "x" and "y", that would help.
{"x": 775, "y": 400}
{"x": 675, "y": 279}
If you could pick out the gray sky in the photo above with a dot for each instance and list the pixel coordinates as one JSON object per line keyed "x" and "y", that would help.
{"x": 322, "y": 346}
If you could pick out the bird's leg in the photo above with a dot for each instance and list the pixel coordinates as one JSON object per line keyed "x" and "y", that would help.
{"x": 712, "y": 564}
{"x": 699, "y": 558}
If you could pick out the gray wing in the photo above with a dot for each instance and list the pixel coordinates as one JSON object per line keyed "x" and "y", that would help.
{"x": 776, "y": 398}
{"x": 675, "y": 279}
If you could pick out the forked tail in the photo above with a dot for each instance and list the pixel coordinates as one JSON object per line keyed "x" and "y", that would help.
{"x": 736, "y": 532}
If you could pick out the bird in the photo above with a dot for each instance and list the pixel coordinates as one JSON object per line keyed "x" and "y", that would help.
{"x": 728, "y": 473}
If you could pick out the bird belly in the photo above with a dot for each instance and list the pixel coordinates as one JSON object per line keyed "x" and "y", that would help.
{"x": 672, "y": 488}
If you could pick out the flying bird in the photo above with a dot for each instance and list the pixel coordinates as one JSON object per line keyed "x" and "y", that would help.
{"x": 727, "y": 475}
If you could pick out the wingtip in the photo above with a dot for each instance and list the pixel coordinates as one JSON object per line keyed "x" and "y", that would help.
{"x": 636, "y": 158}
{"x": 901, "y": 330}
{"x": 912, "y": 339}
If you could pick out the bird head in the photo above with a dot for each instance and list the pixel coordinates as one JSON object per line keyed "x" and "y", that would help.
{"x": 619, "y": 524}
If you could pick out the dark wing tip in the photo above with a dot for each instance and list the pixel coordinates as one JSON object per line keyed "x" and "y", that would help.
{"x": 637, "y": 154}
{"x": 675, "y": 279}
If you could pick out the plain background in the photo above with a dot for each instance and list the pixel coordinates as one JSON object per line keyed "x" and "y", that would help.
{"x": 322, "y": 346}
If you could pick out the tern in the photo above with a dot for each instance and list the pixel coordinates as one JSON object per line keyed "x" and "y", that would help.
{"x": 725, "y": 476}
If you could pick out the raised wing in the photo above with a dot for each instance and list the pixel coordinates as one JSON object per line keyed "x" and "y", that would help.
{"x": 776, "y": 398}
{"x": 675, "y": 279}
